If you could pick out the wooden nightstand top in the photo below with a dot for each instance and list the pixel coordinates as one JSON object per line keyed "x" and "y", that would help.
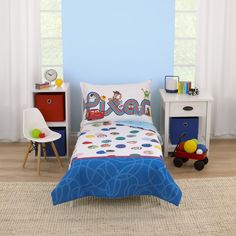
{"x": 174, "y": 97}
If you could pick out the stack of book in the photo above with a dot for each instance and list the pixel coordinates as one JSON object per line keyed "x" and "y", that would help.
{"x": 42, "y": 86}
{"x": 184, "y": 87}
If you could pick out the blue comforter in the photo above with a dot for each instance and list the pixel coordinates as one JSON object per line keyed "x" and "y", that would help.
{"x": 117, "y": 176}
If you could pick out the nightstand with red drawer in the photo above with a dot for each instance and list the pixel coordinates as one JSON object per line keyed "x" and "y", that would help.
{"x": 54, "y": 104}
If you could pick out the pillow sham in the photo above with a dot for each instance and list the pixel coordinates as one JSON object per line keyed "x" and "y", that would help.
{"x": 117, "y": 102}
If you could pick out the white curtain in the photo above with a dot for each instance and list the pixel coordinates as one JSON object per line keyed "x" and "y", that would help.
{"x": 216, "y": 61}
{"x": 19, "y": 62}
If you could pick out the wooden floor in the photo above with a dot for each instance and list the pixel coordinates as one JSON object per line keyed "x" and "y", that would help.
{"x": 222, "y": 162}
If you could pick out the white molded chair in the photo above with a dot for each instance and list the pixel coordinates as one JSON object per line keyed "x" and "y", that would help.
{"x": 32, "y": 118}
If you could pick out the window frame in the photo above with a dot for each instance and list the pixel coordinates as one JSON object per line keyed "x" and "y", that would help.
{"x": 183, "y": 38}
{"x": 43, "y": 38}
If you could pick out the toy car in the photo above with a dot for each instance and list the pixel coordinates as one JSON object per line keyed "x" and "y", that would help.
{"x": 181, "y": 157}
{"x": 95, "y": 114}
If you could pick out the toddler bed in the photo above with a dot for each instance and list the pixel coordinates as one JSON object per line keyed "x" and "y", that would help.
{"x": 116, "y": 158}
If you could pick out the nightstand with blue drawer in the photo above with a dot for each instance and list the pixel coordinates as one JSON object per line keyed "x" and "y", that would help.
{"x": 184, "y": 114}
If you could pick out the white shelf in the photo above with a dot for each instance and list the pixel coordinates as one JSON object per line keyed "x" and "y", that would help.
{"x": 57, "y": 124}
{"x": 65, "y": 88}
{"x": 175, "y": 97}
{"x": 53, "y": 89}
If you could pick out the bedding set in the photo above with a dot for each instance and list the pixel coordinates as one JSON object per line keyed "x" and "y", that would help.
{"x": 118, "y": 151}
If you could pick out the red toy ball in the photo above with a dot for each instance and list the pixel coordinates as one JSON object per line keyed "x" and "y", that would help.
{"x": 42, "y": 135}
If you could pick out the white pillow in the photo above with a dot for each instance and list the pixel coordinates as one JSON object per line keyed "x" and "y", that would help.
{"x": 117, "y": 102}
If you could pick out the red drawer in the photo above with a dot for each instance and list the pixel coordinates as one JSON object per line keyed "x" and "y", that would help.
{"x": 51, "y": 105}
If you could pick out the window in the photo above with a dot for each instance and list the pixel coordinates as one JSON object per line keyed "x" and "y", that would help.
{"x": 185, "y": 39}
{"x": 51, "y": 36}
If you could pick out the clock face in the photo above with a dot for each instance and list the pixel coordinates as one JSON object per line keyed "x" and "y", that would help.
{"x": 50, "y": 75}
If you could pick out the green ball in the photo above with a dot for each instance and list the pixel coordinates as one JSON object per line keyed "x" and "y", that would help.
{"x": 195, "y": 140}
{"x": 35, "y": 133}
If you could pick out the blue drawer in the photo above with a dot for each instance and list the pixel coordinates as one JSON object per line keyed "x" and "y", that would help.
{"x": 60, "y": 143}
{"x": 187, "y": 127}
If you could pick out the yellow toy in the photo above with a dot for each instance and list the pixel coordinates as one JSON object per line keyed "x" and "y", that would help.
{"x": 58, "y": 82}
{"x": 190, "y": 146}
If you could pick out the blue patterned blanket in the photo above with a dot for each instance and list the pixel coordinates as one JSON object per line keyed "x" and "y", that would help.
{"x": 116, "y": 160}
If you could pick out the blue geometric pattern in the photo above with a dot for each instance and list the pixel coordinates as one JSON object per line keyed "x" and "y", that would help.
{"x": 117, "y": 177}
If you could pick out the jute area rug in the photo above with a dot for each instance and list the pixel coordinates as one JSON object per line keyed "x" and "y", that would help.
{"x": 208, "y": 208}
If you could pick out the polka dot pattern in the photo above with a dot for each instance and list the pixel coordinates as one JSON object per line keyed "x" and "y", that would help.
{"x": 146, "y": 145}
{"x": 154, "y": 141}
{"x": 157, "y": 147}
{"x": 107, "y": 123}
{"x": 96, "y": 124}
{"x": 136, "y": 148}
{"x": 105, "y": 145}
{"x": 148, "y": 152}
{"x": 89, "y": 136}
{"x": 120, "y": 146}
{"x": 87, "y": 142}
{"x": 101, "y": 152}
{"x": 106, "y": 141}
{"x": 120, "y": 138}
{"x": 105, "y": 129}
{"x": 135, "y": 155}
{"x": 100, "y": 135}
{"x": 134, "y": 131}
{"x": 114, "y": 133}
{"x": 110, "y": 150}
{"x": 93, "y": 147}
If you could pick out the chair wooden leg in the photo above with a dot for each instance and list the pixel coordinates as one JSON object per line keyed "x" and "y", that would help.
{"x": 44, "y": 150}
{"x": 38, "y": 159}
{"x": 56, "y": 153}
{"x": 27, "y": 153}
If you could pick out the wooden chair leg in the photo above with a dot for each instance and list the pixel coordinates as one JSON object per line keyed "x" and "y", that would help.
{"x": 27, "y": 153}
{"x": 38, "y": 159}
{"x": 44, "y": 150}
{"x": 56, "y": 153}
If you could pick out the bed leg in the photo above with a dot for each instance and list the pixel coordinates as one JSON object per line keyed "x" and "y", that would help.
{"x": 72, "y": 203}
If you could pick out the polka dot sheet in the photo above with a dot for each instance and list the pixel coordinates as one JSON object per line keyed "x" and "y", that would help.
{"x": 112, "y": 139}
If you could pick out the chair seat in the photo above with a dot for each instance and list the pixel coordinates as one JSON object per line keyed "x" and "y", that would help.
{"x": 50, "y": 137}
{"x": 32, "y": 119}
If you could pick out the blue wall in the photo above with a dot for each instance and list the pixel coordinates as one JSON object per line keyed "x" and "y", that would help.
{"x": 117, "y": 41}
